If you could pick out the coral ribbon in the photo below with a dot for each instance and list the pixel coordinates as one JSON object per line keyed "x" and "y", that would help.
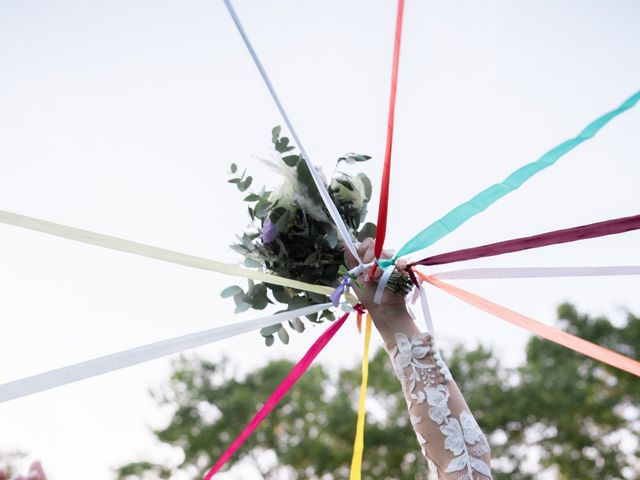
{"x": 546, "y": 331}
{"x": 386, "y": 172}
{"x": 583, "y": 232}
{"x": 279, "y": 392}
{"x": 489, "y": 196}
{"x": 358, "y": 444}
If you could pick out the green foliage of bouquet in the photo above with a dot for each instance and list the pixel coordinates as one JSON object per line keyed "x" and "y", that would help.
{"x": 292, "y": 235}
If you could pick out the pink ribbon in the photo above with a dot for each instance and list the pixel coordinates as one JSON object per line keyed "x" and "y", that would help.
{"x": 279, "y": 392}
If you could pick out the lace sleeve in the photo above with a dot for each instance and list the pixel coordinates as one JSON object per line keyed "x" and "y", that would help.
{"x": 446, "y": 430}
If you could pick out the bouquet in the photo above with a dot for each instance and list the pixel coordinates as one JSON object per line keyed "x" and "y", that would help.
{"x": 292, "y": 235}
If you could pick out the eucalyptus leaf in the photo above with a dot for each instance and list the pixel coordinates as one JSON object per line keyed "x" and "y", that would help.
{"x": 252, "y": 197}
{"x": 282, "y": 145}
{"x": 234, "y": 168}
{"x": 282, "y": 222}
{"x": 298, "y": 326}
{"x": 269, "y": 340}
{"x": 231, "y": 291}
{"x": 367, "y": 186}
{"x": 281, "y": 294}
{"x": 242, "y": 307}
{"x": 262, "y": 208}
{"x": 332, "y": 238}
{"x": 270, "y": 330}
{"x": 247, "y": 243}
{"x": 239, "y": 297}
{"x": 291, "y": 160}
{"x": 329, "y": 315}
{"x": 245, "y": 184}
{"x": 304, "y": 176}
{"x": 251, "y": 263}
{"x": 275, "y": 133}
{"x": 241, "y": 249}
{"x": 367, "y": 230}
{"x": 318, "y": 297}
{"x": 283, "y": 335}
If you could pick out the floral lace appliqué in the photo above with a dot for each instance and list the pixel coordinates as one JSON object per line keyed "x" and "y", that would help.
{"x": 459, "y": 435}
{"x": 410, "y": 354}
{"x": 417, "y": 363}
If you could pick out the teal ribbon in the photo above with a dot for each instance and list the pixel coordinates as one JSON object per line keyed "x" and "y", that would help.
{"x": 486, "y": 198}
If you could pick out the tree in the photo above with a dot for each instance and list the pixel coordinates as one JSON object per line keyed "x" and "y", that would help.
{"x": 8, "y": 462}
{"x": 559, "y": 413}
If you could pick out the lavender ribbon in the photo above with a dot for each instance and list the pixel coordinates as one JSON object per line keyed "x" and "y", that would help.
{"x": 339, "y": 291}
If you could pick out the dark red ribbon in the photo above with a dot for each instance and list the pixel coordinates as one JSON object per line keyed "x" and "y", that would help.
{"x": 594, "y": 230}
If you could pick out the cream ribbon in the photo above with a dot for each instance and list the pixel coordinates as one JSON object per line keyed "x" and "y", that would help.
{"x": 128, "y": 246}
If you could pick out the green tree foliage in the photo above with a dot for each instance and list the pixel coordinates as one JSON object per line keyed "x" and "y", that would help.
{"x": 9, "y": 461}
{"x": 559, "y": 413}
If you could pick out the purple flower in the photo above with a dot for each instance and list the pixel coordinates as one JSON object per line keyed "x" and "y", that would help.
{"x": 269, "y": 232}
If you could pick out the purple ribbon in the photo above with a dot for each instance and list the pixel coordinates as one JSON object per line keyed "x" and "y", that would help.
{"x": 583, "y": 232}
{"x": 337, "y": 293}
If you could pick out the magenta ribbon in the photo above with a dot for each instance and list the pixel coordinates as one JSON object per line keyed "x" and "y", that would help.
{"x": 289, "y": 381}
{"x": 583, "y": 232}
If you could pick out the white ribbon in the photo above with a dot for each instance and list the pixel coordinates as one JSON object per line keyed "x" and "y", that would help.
{"x": 424, "y": 303}
{"x": 360, "y": 269}
{"x": 382, "y": 283}
{"x": 426, "y": 312}
{"x": 322, "y": 189}
{"x": 537, "y": 272}
{"x": 127, "y": 358}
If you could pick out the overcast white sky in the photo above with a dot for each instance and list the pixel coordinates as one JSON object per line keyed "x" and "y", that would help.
{"x": 122, "y": 117}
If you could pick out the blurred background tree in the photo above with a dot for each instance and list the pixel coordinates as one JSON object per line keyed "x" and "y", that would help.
{"x": 9, "y": 462}
{"x": 559, "y": 415}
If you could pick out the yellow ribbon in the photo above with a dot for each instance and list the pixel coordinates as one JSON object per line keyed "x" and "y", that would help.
{"x": 358, "y": 444}
{"x": 122, "y": 245}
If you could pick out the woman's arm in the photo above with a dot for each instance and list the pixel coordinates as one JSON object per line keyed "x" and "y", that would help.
{"x": 446, "y": 430}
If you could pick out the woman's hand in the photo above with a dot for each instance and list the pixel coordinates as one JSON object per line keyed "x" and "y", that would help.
{"x": 366, "y": 294}
{"x": 391, "y": 316}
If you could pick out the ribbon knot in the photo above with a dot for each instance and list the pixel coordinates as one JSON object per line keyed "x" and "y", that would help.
{"x": 360, "y": 310}
{"x": 339, "y": 291}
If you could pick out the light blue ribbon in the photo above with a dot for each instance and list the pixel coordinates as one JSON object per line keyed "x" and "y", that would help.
{"x": 322, "y": 189}
{"x": 486, "y": 198}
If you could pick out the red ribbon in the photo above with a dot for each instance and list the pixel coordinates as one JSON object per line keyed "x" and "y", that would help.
{"x": 279, "y": 392}
{"x": 386, "y": 172}
{"x": 583, "y": 232}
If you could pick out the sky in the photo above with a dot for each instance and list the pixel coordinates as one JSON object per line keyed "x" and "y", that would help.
{"x": 123, "y": 117}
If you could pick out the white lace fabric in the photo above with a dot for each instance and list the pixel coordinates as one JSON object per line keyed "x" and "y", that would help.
{"x": 447, "y": 432}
